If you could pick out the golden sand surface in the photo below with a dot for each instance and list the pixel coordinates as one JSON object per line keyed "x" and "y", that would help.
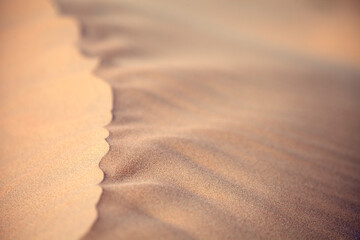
{"x": 231, "y": 119}
{"x": 52, "y": 113}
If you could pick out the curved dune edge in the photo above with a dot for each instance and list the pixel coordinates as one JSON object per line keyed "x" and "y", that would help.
{"x": 52, "y": 113}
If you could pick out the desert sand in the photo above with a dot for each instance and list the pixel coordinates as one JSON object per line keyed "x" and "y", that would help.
{"x": 230, "y": 120}
{"x": 52, "y": 113}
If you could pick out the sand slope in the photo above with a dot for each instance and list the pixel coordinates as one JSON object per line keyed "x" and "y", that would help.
{"x": 214, "y": 154}
{"x": 230, "y": 121}
{"x": 52, "y": 113}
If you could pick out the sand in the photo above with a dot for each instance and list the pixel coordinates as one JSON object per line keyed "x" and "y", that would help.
{"x": 52, "y": 113}
{"x": 230, "y": 120}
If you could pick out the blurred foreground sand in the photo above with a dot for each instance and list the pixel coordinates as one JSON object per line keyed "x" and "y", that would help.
{"x": 52, "y": 113}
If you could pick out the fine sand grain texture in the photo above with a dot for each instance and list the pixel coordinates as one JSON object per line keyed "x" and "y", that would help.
{"x": 230, "y": 120}
{"x": 52, "y": 113}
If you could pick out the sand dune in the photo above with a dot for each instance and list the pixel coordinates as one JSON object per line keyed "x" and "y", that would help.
{"x": 52, "y": 113}
{"x": 230, "y": 121}
{"x": 213, "y": 154}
